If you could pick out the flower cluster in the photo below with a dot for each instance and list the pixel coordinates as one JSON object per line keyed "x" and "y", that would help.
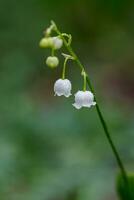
{"x": 54, "y": 43}
{"x": 63, "y": 86}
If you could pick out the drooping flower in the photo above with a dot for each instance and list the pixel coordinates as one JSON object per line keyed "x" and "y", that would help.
{"x": 57, "y": 42}
{"x": 84, "y": 99}
{"x": 52, "y": 61}
{"x": 62, "y": 87}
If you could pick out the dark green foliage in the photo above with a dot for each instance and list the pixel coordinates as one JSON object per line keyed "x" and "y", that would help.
{"x": 126, "y": 192}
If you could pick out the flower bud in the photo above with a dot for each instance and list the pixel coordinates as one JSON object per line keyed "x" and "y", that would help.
{"x": 84, "y": 99}
{"x": 52, "y": 61}
{"x": 46, "y": 42}
{"x": 62, "y": 87}
{"x": 48, "y": 31}
{"x": 57, "y": 42}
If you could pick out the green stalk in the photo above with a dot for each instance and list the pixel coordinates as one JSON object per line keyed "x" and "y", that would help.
{"x": 52, "y": 52}
{"x": 85, "y": 81}
{"x": 64, "y": 68}
{"x": 104, "y": 125}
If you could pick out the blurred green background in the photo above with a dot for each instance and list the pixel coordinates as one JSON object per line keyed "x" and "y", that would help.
{"x": 49, "y": 150}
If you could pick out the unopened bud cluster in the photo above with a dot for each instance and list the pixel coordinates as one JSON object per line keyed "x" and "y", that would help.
{"x": 54, "y": 43}
{"x": 51, "y": 42}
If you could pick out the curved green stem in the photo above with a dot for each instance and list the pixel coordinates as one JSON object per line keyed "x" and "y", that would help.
{"x": 85, "y": 81}
{"x": 104, "y": 125}
{"x": 64, "y": 68}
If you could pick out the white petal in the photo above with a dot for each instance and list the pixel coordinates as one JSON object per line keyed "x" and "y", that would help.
{"x": 87, "y": 105}
{"x": 77, "y": 106}
{"x": 94, "y": 103}
{"x": 58, "y": 94}
{"x": 67, "y": 95}
{"x": 79, "y": 97}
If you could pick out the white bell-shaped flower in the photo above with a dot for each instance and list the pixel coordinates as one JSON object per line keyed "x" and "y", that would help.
{"x": 62, "y": 87}
{"x": 84, "y": 99}
{"x": 52, "y": 61}
{"x": 57, "y": 42}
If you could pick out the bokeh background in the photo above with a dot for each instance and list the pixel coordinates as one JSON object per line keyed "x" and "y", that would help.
{"x": 49, "y": 150}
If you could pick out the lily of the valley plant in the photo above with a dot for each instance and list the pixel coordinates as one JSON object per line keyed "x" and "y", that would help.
{"x": 54, "y": 39}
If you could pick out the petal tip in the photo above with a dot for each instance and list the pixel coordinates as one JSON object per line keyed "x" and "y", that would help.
{"x": 94, "y": 103}
{"x": 67, "y": 95}
{"x": 76, "y": 106}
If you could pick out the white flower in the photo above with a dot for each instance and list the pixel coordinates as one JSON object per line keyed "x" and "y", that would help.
{"x": 46, "y": 42}
{"x": 84, "y": 99}
{"x": 62, "y": 87}
{"x": 52, "y": 61}
{"x": 57, "y": 42}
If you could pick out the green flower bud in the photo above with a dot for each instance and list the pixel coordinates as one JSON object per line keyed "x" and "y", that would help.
{"x": 46, "y": 42}
{"x": 52, "y": 61}
{"x": 57, "y": 42}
